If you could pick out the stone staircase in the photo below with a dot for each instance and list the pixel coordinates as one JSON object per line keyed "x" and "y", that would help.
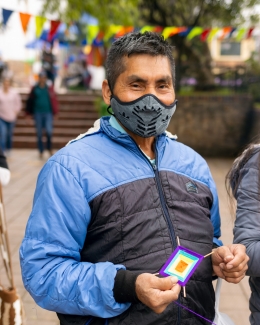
{"x": 77, "y": 114}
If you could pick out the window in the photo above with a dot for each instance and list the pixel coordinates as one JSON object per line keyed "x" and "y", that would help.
{"x": 230, "y": 48}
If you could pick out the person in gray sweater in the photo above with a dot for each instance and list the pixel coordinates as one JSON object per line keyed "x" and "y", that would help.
{"x": 243, "y": 182}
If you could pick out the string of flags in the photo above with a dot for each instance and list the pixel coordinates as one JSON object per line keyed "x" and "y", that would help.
{"x": 94, "y": 34}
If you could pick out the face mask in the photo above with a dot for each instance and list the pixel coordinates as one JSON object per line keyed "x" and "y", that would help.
{"x": 146, "y": 116}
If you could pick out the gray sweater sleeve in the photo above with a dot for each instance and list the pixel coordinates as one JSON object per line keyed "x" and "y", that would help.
{"x": 247, "y": 224}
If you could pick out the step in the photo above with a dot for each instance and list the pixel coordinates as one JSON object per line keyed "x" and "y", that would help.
{"x": 73, "y": 132}
{"x": 59, "y": 123}
{"x": 77, "y": 115}
{"x": 82, "y": 107}
{"x": 31, "y": 142}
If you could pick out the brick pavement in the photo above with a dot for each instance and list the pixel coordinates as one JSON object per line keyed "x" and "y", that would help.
{"x": 25, "y": 166}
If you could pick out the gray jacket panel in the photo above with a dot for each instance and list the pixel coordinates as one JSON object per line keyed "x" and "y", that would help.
{"x": 247, "y": 228}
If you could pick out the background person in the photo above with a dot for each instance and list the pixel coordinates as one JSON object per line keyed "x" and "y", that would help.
{"x": 108, "y": 208}
{"x": 243, "y": 181}
{"x": 43, "y": 105}
{"x": 10, "y": 106}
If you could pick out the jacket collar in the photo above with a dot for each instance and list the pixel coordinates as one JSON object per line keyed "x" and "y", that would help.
{"x": 125, "y": 139}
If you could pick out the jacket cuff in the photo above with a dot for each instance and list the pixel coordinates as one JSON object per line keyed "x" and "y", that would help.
{"x": 124, "y": 287}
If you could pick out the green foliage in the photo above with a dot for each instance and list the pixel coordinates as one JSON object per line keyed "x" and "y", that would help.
{"x": 101, "y": 107}
{"x": 108, "y": 12}
{"x": 203, "y": 13}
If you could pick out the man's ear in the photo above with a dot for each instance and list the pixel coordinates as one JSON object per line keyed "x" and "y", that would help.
{"x": 106, "y": 92}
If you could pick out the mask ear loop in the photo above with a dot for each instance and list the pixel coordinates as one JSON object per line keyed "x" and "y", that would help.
{"x": 110, "y": 112}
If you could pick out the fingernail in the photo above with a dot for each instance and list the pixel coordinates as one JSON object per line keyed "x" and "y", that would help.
{"x": 174, "y": 279}
{"x": 221, "y": 265}
{"x": 228, "y": 257}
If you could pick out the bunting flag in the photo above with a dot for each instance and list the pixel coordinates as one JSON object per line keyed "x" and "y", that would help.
{"x": 225, "y": 32}
{"x": 147, "y": 29}
{"x": 53, "y": 30}
{"x": 170, "y": 31}
{"x": 39, "y": 22}
{"x": 249, "y": 33}
{"x": 194, "y": 32}
{"x": 213, "y": 33}
{"x": 6, "y": 15}
{"x": 204, "y": 34}
{"x": 95, "y": 36}
{"x": 25, "y": 18}
{"x": 124, "y": 30}
{"x": 111, "y": 31}
{"x": 240, "y": 34}
{"x": 92, "y": 33}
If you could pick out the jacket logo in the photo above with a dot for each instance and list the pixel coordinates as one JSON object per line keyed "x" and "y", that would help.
{"x": 191, "y": 187}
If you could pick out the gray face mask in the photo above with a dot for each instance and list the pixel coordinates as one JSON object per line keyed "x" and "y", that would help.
{"x": 146, "y": 116}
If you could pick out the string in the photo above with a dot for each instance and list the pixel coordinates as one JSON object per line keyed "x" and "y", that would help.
{"x": 193, "y": 312}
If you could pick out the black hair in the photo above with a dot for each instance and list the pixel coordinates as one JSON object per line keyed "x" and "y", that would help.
{"x": 150, "y": 43}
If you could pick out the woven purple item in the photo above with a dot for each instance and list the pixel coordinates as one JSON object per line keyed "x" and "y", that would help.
{"x": 182, "y": 263}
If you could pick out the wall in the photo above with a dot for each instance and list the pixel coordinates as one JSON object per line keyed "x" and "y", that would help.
{"x": 213, "y": 125}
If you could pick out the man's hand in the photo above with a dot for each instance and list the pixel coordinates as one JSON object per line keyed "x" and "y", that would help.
{"x": 230, "y": 262}
{"x": 156, "y": 293}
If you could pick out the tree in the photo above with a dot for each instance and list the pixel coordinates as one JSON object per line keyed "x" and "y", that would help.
{"x": 192, "y": 57}
{"x": 106, "y": 11}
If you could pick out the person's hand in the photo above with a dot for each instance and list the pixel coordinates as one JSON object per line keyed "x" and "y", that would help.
{"x": 156, "y": 293}
{"x": 230, "y": 262}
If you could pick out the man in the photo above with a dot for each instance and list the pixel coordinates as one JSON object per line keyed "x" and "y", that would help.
{"x": 110, "y": 208}
{"x": 42, "y": 104}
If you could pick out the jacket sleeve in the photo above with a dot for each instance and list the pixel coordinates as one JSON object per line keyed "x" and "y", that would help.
{"x": 247, "y": 229}
{"x": 50, "y": 252}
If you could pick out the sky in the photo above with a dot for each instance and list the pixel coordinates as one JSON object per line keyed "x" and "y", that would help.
{"x": 13, "y": 39}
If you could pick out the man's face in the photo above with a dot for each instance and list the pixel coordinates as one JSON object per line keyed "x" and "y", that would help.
{"x": 145, "y": 74}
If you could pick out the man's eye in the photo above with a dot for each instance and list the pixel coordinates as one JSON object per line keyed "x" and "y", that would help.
{"x": 135, "y": 85}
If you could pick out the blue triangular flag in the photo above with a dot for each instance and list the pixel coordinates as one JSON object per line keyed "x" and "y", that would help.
{"x": 6, "y": 15}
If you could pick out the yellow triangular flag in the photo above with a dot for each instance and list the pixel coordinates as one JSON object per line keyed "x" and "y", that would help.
{"x": 212, "y": 33}
{"x": 92, "y": 33}
{"x": 111, "y": 31}
{"x": 147, "y": 29}
{"x": 240, "y": 33}
{"x": 168, "y": 31}
{"x": 39, "y": 22}
{"x": 194, "y": 32}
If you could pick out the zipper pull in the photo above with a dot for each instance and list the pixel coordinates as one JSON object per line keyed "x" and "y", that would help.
{"x": 154, "y": 167}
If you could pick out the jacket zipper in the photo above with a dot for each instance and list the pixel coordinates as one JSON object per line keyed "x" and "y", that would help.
{"x": 161, "y": 195}
{"x": 165, "y": 210}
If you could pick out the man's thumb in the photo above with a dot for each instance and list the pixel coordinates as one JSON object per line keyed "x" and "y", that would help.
{"x": 167, "y": 283}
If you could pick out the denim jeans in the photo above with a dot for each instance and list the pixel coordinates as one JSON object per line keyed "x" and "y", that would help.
{"x": 6, "y": 134}
{"x": 43, "y": 121}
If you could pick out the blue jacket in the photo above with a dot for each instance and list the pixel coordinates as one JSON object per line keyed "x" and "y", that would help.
{"x": 50, "y": 254}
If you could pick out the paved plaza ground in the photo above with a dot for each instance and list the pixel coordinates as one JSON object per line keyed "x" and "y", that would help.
{"x": 25, "y": 166}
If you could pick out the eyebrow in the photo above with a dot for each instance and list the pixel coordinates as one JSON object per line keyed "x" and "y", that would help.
{"x": 136, "y": 78}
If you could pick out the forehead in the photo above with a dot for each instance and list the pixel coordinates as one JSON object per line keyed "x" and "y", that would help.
{"x": 146, "y": 65}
